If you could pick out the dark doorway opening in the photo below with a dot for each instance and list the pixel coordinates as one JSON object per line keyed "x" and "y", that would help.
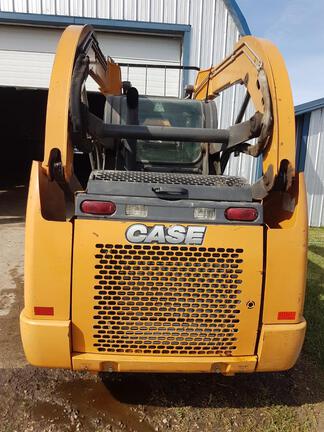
{"x": 22, "y": 125}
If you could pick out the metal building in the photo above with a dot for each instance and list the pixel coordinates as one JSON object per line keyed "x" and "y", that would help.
{"x": 163, "y": 32}
{"x": 196, "y": 32}
{"x": 310, "y": 156}
{"x": 166, "y": 32}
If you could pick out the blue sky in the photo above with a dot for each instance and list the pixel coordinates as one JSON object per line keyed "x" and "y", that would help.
{"x": 297, "y": 28}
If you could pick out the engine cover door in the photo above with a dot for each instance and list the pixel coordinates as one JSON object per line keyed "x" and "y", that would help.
{"x": 158, "y": 295}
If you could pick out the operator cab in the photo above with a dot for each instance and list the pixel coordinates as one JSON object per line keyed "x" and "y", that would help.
{"x": 156, "y": 176}
{"x": 158, "y": 156}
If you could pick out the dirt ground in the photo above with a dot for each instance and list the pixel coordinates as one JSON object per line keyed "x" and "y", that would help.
{"x": 40, "y": 400}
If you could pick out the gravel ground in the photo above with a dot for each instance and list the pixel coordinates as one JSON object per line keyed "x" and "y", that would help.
{"x": 41, "y": 400}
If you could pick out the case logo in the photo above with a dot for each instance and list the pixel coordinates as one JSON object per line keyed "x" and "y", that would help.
{"x": 176, "y": 234}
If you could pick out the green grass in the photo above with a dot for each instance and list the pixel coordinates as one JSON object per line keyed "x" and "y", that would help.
{"x": 314, "y": 305}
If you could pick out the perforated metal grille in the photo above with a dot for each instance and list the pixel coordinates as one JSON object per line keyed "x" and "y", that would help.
{"x": 167, "y": 178}
{"x": 152, "y": 299}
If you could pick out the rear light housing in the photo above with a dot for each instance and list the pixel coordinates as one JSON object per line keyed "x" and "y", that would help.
{"x": 242, "y": 214}
{"x": 105, "y": 208}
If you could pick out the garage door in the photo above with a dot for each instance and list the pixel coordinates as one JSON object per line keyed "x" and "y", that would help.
{"x": 27, "y": 54}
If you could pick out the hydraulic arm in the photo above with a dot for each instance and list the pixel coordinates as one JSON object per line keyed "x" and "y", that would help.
{"x": 255, "y": 64}
{"x": 258, "y": 65}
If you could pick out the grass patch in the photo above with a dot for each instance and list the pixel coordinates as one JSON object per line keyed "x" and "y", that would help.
{"x": 314, "y": 305}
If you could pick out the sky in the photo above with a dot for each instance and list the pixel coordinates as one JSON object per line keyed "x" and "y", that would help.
{"x": 297, "y": 28}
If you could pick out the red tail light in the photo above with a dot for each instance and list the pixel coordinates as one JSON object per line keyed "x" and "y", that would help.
{"x": 98, "y": 207}
{"x": 245, "y": 214}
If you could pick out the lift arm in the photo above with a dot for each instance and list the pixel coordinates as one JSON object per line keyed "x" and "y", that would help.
{"x": 258, "y": 65}
{"x": 255, "y": 63}
{"x": 78, "y": 55}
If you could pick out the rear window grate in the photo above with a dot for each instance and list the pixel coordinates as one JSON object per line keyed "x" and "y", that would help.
{"x": 168, "y": 178}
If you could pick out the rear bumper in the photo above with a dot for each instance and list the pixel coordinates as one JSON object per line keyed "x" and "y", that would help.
{"x": 280, "y": 346}
{"x": 168, "y": 364}
{"x": 47, "y": 343}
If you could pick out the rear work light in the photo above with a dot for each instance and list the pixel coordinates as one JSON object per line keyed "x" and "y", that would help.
{"x": 136, "y": 210}
{"x": 245, "y": 214}
{"x": 98, "y": 207}
{"x": 204, "y": 213}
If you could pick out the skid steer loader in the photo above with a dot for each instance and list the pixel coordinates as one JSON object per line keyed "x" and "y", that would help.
{"x": 161, "y": 262}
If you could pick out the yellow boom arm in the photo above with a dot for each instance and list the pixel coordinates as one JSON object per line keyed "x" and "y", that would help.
{"x": 74, "y": 40}
{"x": 258, "y": 65}
{"x": 254, "y": 63}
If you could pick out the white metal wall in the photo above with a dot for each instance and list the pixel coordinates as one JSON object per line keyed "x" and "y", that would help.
{"x": 213, "y": 32}
{"x": 27, "y": 55}
{"x": 213, "y": 35}
{"x": 314, "y": 169}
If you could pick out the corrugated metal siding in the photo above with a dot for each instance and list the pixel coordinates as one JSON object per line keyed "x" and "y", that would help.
{"x": 314, "y": 169}
{"x": 213, "y": 31}
{"x": 213, "y": 35}
{"x": 27, "y": 54}
{"x": 39, "y": 68}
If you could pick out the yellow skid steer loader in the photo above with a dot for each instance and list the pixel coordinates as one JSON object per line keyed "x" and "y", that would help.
{"x": 159, "y": 262}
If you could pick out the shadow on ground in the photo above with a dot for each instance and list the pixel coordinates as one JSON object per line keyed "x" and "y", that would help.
{"x": 293, "y": 388}
{"x": 139, "y": 402}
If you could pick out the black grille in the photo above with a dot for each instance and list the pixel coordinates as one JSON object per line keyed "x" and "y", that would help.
{"x": 167, "y": 299}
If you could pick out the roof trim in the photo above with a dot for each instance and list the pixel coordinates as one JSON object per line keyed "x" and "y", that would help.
{"x": 309, "y": 106}
{"x": 238, "y": 17}
{"x": 22, "y": 18}
{"x": 44, "y": 19}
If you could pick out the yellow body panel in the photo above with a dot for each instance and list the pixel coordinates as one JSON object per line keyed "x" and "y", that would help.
{"x": 287, "y": 261}
{"x": 48, "y": 250}
{"x": 46, "y": 342}
{"x": 91, "y": 235}
{"x": 280, "y": 346}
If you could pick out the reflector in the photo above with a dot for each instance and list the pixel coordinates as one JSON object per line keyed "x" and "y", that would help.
{"x": 98, "y": 207}
{"x": 41, "y": 310}
{"x": 246, "y": 214}
{"x": 287, "y": 315}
